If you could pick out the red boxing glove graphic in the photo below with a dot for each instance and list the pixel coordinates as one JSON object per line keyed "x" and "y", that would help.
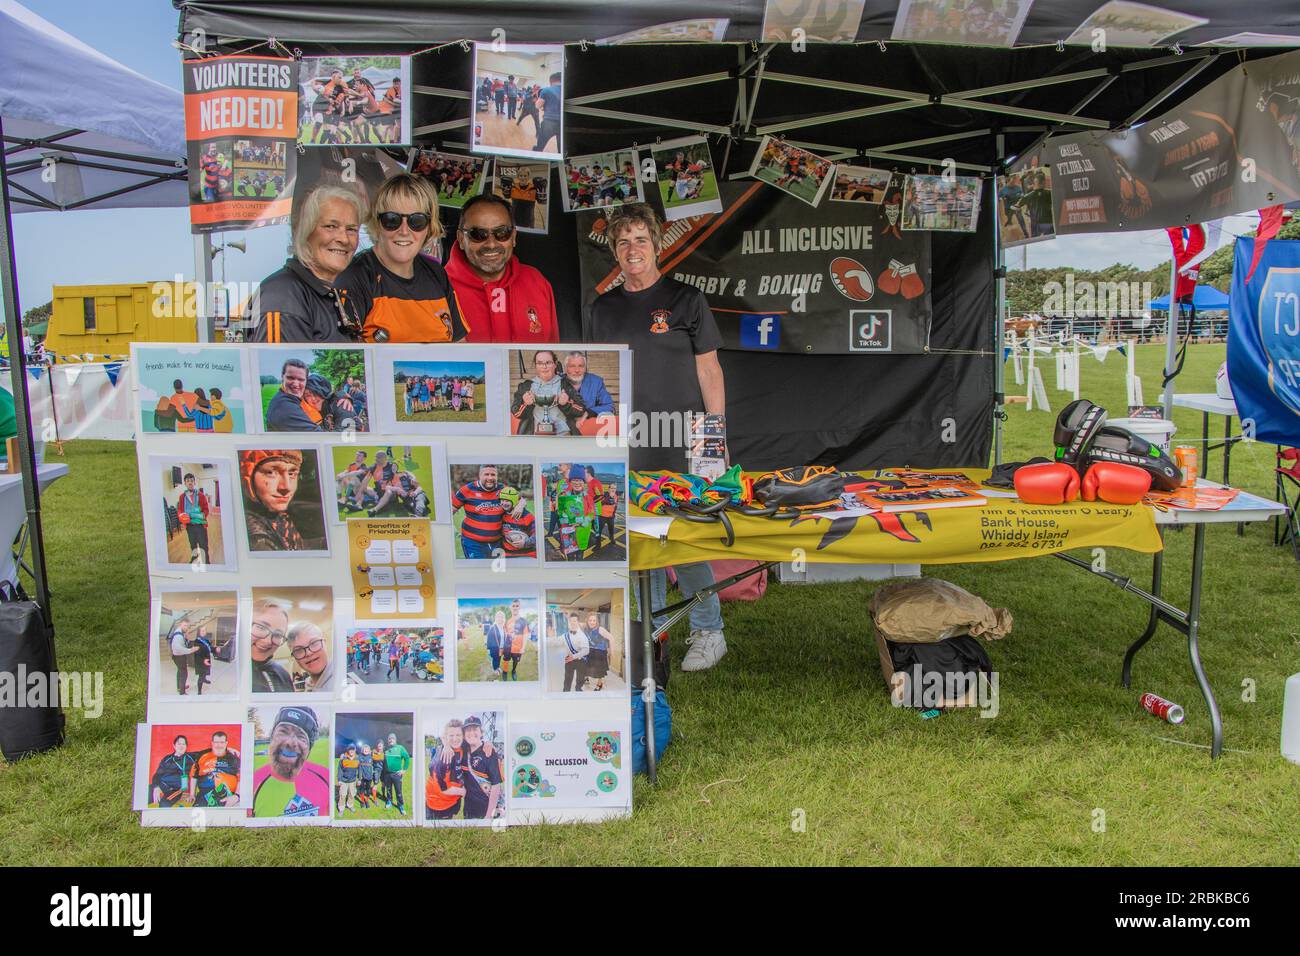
{"x": 1053, "y": 483}
{"x": 1115, "y": 482}
{"x": 891, "y": 278}
{"x": 910, "y": 285}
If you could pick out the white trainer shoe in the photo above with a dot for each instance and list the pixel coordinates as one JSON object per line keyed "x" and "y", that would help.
{"x": 705, "y": 648}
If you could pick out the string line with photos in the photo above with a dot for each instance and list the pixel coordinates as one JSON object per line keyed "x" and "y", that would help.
{"x": 373, "y": 601}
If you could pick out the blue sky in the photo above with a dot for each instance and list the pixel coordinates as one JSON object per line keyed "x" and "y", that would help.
{"x": 155, "y": 244}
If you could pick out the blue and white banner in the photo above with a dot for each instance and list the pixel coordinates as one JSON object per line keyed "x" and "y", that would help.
{"x": 1264, "y": 340}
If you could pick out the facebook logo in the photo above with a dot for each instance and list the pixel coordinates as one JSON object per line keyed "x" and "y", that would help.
{"x": 760, "y": 331}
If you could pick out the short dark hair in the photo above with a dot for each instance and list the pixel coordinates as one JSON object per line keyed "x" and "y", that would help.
{"x": 189, "y": 475}
{"x": 220, "y": 733}
{"x": 294, "y": 363}
{"x": 180, "y": 737}
{"x": 487, "y": 198}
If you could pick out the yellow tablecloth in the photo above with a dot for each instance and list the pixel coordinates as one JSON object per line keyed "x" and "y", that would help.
{"x": 1003, "y": 529}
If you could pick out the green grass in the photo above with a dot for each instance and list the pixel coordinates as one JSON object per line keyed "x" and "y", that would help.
{"x": 708, "y": 191}
{"x": 794, "y": 723}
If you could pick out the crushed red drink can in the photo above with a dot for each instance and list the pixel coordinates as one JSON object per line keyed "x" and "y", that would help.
{"x": 1164, "y": 709}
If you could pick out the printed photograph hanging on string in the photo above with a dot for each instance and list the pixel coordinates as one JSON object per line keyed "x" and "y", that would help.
{"x": 941, "y": 203}
{"x": 792, "y": 170}
{"x": 518, "y": 101}
{"x": 355, "y": 101}
{"x": 688, "y": 183}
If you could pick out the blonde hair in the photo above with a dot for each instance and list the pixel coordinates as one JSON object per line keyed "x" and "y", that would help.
{"x": 405, "y": 186}
{"x": 309, "y": 216}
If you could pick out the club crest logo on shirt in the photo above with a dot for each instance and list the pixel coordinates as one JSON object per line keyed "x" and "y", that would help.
{"x": 534, "y": 323}
{"x": 659, "y": 321}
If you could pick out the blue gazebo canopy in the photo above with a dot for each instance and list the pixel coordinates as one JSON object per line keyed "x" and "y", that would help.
{"x": 1206, "y": 298}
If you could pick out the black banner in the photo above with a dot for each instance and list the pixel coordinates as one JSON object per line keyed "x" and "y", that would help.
{"x": 782, "y": 276}
{"x": 1230, "y": 148}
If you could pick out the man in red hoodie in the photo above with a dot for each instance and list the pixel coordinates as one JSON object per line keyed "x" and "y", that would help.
{"x": 500, "y": 298}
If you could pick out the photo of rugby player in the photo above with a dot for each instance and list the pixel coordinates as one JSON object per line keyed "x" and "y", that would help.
{"x": 455, "y": 177}
{"x": 197, "y": 499}
{"x": 291, "y": 765}
{"x": 373, "y": 766}
{"x": 792, "y": 170}
{"x": 585, "y": 512}
{"x": 354, "y": 101}
{"x": 196, "y": 644}
{"x": 859, "y": 184}
{"x": 585, "y": 641}
{"x": 260, "y": 168}
{"x": 386, "y": 481}
{"x": 493, "y": 511}
{"x": 313, "y": 390}
{"x": 395, "y": 656}
{"x": 216, "y": 181}
{"x": 941, "y": 204}
{"x": 1025, "y": 205}
{"x": 189, "y": 766}
{"x": 517, "y": 101}
{"x": 497, "y": 639}
{"x": 283, "y": 510}
{"x": 688, "y": 185}
{"x": 464, "y": 766}
{"x": 600, "y": 181}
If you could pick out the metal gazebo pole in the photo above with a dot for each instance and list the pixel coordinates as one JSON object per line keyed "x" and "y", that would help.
{"x": 22, "y": 417}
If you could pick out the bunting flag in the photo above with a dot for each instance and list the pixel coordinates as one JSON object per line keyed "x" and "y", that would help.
{"x": 1270, "y": 221}
{"x": 1188, "y": 243}
{"x": 35, "y": 372}
{"x": 113, "y": 370}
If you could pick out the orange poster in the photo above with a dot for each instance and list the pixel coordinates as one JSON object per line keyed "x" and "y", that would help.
{"x": 241, "y": 127}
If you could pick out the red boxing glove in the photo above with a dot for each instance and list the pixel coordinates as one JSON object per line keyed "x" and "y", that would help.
{"x": 1115, "y": 482}
{"x": 911, "y": 285}
{"x": 1053, "y": 483}
{"x": 890, "y": 279}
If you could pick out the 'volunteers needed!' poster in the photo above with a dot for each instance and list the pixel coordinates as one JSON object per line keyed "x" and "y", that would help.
{"x": 241, "y": 126}
{"x": 392, "y": 567}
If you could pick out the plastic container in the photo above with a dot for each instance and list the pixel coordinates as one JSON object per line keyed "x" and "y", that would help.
{"x": 1158, "y": 431}
{"x": 1291, "y": 719}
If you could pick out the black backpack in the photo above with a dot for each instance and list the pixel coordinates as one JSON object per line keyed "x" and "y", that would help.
{"x": 27, "y": 647}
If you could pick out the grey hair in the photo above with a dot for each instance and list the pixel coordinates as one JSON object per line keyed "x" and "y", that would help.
{"x": 309, "y": 216}
{"x": 575, "y": 354}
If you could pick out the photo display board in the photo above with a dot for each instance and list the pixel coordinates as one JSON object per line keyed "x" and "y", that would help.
{"x": 386, "y": 590}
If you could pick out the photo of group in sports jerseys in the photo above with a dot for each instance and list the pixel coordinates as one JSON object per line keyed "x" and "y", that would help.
{"x": 383, "y": 481}
{"x": 374, "y": 770}
{"x": 456, "y": 178}
{"x": 189, "y": 765}
{"x": 440, "y": 391}
{"x": 260, "y": 167}
{"x": 493, "y": 511}
{"x": 586, "y": 511}
{"x": 354, "y": 101}
{"x": 497, "y": 640}
{"x": 464, "y": 760}
{"x": 600, "y": 181}
{"x": 196, "y": 633}
{"x": 586, "y": 644}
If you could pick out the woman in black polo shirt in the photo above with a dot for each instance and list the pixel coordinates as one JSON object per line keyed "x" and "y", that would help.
{"x": 298, "y": 303}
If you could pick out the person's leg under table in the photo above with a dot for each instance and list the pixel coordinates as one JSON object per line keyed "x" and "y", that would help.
{"x": 708, "y": 645}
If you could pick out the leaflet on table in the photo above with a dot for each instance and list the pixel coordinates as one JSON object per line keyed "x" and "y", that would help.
{"x": 913, "y": 478}
{"x": 1193, "y": 499}
{"x": 392, "y": 567}
{"x": 919, "y": 499}
{"x": 707, "y": 450}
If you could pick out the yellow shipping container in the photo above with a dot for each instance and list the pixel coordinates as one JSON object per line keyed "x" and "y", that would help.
{"x": 105, "y": 319}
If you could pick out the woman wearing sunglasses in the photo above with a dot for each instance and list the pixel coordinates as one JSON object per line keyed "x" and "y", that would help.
{"x": 401, "y": 295}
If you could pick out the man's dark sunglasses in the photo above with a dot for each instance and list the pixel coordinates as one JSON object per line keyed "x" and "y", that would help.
{"x": 479, "y": 234}
{"x": 392, "y": 221}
